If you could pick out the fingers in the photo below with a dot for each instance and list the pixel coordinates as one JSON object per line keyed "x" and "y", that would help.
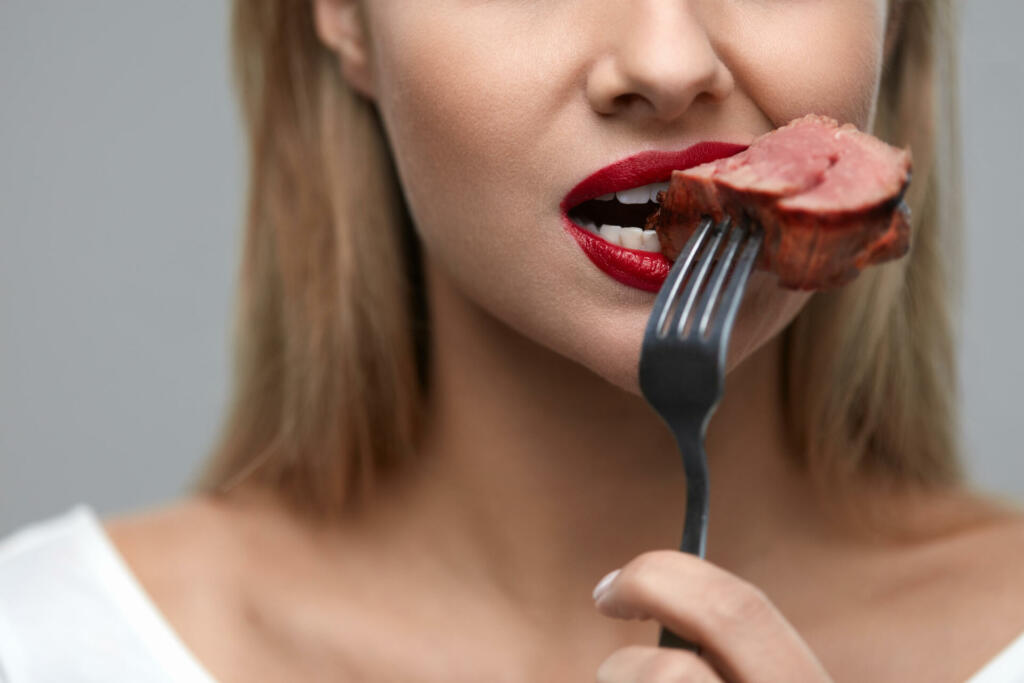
{"x": 641, "y": 664}
{"x": 744, "y": 636}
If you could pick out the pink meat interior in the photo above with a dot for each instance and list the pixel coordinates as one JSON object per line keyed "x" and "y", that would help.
{"x": 812, "y": 166}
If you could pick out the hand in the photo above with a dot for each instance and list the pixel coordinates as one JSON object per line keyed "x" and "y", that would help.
{"x": 743, "y": 637}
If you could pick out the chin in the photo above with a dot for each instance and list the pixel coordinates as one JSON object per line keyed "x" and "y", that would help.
{"x": 765, "y": 312}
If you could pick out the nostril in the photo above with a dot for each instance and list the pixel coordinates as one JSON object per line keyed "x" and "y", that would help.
{"x": 625, "y": 101}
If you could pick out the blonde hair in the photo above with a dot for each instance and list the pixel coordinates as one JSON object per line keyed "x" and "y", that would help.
{"x": 871, "y": 368}
{"x": 331, "y": 337}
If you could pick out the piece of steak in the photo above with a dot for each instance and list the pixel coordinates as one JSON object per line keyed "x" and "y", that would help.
{"x": 829, "y": 197}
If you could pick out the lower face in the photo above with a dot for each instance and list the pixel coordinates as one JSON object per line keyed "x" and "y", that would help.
{"x": 496, "y": 110}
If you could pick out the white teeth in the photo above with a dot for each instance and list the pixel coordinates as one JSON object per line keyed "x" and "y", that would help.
{"x": 656, "y": 188}
{"x": 611, "y": 233}
{"x": 631, "y": 238}
{"x": 636, "y": 195}
{"x": 642, "y": 194}
{"x": 650, "y": 241}
{"x": 589, "y": 225}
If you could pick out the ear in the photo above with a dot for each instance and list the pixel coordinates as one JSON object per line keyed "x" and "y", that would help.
{"x": 339, "y": 25}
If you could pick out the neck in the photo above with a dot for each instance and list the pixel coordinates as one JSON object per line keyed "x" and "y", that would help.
{"x": 537, "y": 477}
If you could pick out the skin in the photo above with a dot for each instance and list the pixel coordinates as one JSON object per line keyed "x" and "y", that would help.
{"x": 542, "y": 468}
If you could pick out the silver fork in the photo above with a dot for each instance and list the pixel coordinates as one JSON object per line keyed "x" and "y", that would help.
{"x": 682, "y": 364}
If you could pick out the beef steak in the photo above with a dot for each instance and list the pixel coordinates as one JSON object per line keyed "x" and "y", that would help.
{"x": 829, "y": 197}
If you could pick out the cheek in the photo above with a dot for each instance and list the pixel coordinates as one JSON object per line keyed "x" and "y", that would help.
{"x": 457, "y": 106}
{"x": 794, "y": 57}
{"x": 471, "y": 125}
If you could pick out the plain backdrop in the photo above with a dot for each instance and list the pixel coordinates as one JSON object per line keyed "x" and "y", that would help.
{"x": 121, "y": 182}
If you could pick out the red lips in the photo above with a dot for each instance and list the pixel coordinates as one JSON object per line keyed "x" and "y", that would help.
{"x": 641, "y": 269}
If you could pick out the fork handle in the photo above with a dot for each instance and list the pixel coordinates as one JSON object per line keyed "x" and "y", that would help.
{"x": 695, "y": 527}
{"x": 695, "y": 465}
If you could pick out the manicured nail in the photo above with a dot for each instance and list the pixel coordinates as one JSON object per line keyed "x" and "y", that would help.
{"x": 602, "y": 586}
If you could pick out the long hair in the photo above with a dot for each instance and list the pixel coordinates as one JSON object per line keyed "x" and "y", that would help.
{"x": 331, "y": 338}
{"x": 326, "y": 390}
{"x": 870, "y": 368}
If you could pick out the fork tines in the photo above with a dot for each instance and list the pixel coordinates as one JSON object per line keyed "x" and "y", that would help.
{"x": 708, "y": 254}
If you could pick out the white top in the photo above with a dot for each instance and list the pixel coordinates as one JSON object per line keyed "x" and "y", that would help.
{"x": 63, "y": 582}
{"x": 71, "y": 611}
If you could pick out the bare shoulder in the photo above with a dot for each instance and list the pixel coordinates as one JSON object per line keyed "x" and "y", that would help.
{"x": 985, "y": 557}
{"x": 186, "y": 558}
{"x": 187, "y": 538}
{"x": 975, "y": 595}
{"x": 233, "y": 580}
{"x": 987, "y": 563}
{"x": 959, "y": 593}
{"x": 197, "y": 543}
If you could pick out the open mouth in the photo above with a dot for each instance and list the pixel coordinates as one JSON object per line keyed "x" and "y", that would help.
{"x": 607, "y": 212}
{"x": 619, "y": 217}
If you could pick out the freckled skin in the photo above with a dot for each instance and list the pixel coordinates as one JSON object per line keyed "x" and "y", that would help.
{"x": 495, "y": 111}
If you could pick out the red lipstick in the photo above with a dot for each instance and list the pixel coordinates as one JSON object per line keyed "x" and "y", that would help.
{"x": 641, "y": 269}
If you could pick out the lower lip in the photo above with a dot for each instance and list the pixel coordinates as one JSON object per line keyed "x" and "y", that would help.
{"x": 644, "y": 270}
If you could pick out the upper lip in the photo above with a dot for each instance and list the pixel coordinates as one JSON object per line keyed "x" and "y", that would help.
{"x": 644, "y": 168}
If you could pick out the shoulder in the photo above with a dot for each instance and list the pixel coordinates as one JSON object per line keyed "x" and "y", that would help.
{"x": 63, "y": 581}
{"x": 982, "y": 557}
{"x": 186, "y": 559}
{"x": 950, "y": 602}
{"x": 986, "y": 566}
{"x": 977, "y": 593}
{"x": 189, "y": 540}
{"x": 195, "y": 553}
{"x": 205, "y": 564}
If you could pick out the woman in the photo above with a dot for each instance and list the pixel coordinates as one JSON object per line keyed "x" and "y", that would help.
{"x": 437, "y": 446}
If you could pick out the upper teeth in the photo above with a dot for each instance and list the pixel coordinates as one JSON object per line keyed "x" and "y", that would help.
{"x": 636, "y": 195}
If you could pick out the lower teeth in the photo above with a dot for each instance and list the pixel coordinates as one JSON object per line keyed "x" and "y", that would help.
{"x": 630, "y": 238}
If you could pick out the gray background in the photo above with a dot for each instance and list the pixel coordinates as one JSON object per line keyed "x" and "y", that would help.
{"x": 121, "y": 182}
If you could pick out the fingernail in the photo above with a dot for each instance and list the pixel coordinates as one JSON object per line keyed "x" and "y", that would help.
{"x": 602, "y": 586}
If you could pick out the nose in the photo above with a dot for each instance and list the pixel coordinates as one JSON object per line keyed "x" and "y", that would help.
{"x": 660, "y": 60}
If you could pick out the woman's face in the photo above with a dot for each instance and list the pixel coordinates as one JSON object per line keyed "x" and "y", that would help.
{"x": 496, "y": 109}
